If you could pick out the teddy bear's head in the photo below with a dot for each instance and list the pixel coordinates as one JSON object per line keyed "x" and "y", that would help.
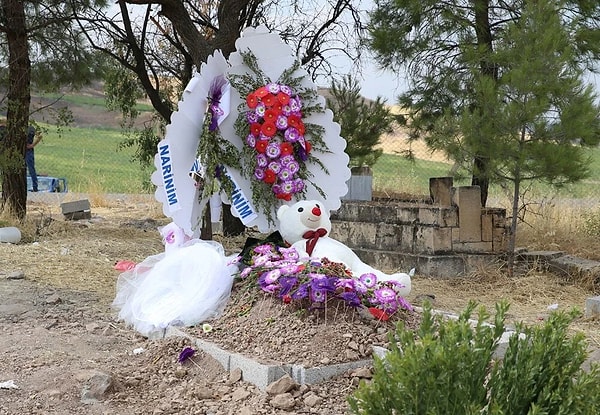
{"x": 296, "y": 219}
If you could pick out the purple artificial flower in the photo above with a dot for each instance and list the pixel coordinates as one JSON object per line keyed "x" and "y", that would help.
{"x": 261, "y": 160}
{"x": 351, "y": 298}
{"x": 250, "y": 140}
{"x": 270, "y": 277}
{"x": 287, "y": 283}
{"x": 291, "y": 134}
{"x": 271, "y": 288}
{"x": 264, "y": 249}
{"x": 293, "y": 166}
{"x": 273, "y": 150}
{"x": 359, "y": 287}
{"x": 287, "y": 186}
{"x": 286, "y": 160}
{"x": 285, "y": 174}
{"x": 404, "y": 304}
{"x": 290, "y": 269}
{"x": 318, "y": 295}
{"x": 276, "y": 189}
{"x": 246, "y": 271}
{"x": 384, "y": 295}
{"x": 301, "y": 292}
{"x": 289, "y": 253}
{"x": 345, "y": 283}
{"x": 281, "y": 122}
{"x": 298, "y": 185}
{"x": 275, "y": 166}
{"x": 273, "y": 88}
{"x": 286, "y": 89}
{"x": 295, "y": 104}
{"x": 260, "y": 109}
{"x": 259, "y": 173}
{"x": 261, "y": 260}
{"x": 286, "y": 110}
{"x": 369, "y": 279}
{"x": 390, "y": 307}
{"x": 252, "y": 117}
{"x": 215, "y": 93}
{"x": 185, "y": 354}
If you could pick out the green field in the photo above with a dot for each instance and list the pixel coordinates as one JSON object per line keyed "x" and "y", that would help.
{"x": 90, "y": 160}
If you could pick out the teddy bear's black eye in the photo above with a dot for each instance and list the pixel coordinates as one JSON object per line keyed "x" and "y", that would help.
{"x": 318, "y": 205}
{"x": 300, "y": 209}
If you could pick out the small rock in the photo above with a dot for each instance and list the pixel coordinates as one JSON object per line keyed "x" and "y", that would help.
{"x": 204, "y": 392}
{"x": 362, "y": 372}
{"x": 325, "y": 361}
{"x": 245, "y": 410}
{"x": 180, "y": 372}
{"x": 351, "y": 355}
{"x": 96, "y": 387}
{"x": 16, "y": 275}
{"x": 53, "y": 299}
{"x": 353, "y": 345}
{"x": 311, "y": 400}
{"x": 240, "y": 394}
{"x": 283, "y": 401}
{"x": 92, "y": 327}
{"x": 234, "y": 376}
{"x": 281, "y": 386}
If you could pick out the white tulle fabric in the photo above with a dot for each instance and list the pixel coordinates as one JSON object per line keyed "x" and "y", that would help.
{"x": 187, "y": 284}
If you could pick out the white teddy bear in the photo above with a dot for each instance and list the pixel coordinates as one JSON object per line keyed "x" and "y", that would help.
{"x": 306, "y": 226}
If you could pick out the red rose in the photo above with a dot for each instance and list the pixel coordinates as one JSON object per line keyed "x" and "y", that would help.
{"x": 252, "y": 101}
{"x": 261, "y": 146}
{"x": 269, "y": 100}
{"x": 270, "y": 176}
{"x": 255, "y": 129}
{"x": 269, "y": 129}
{"x": 286, "y": 148}
{"x": 286, "y": 299}
{"x": 271, "y": 115}
{"x": 283, "y": 98}
{"x": 284, "y": 196}
{"x": 261, "y": 92}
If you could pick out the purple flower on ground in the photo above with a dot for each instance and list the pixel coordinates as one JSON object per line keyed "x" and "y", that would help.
{"x": 289, "y": 253}
{"x": 271, "y": 288}
{"x": 271, "y": 276}
{"x": 260, "y": 260}
{"x": 345, "y": 283}
{"x": 351, "y": 298}
{"x": 301, "y": 292}
{"x": 404, "y": 304}
{"x": 185, "y": 354}
{"x": 287, "y": 283}
{"x": 246, "y": 271}
{"x": 359, "y": 287}
{"x": 384, "y": 295}
{"x": 369, "y": 279}
{"x": 290, "y": 269}
{"x": 318, "y": 295}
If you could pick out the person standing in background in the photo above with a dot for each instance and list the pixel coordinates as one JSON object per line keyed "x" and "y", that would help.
{"x": 33, "y": 138}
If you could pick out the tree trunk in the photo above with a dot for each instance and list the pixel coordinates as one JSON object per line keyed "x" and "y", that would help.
{"x": 487, "y": 68}
{"x": 14, "y": 184}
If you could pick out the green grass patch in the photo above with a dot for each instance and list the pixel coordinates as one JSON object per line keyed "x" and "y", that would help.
{"x": 90, "y": 160}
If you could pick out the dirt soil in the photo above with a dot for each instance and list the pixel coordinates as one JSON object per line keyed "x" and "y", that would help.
{"x": 65, "y": 351}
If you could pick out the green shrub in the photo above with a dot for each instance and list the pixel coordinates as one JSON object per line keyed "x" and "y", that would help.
{"x": 448, "y": 367}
